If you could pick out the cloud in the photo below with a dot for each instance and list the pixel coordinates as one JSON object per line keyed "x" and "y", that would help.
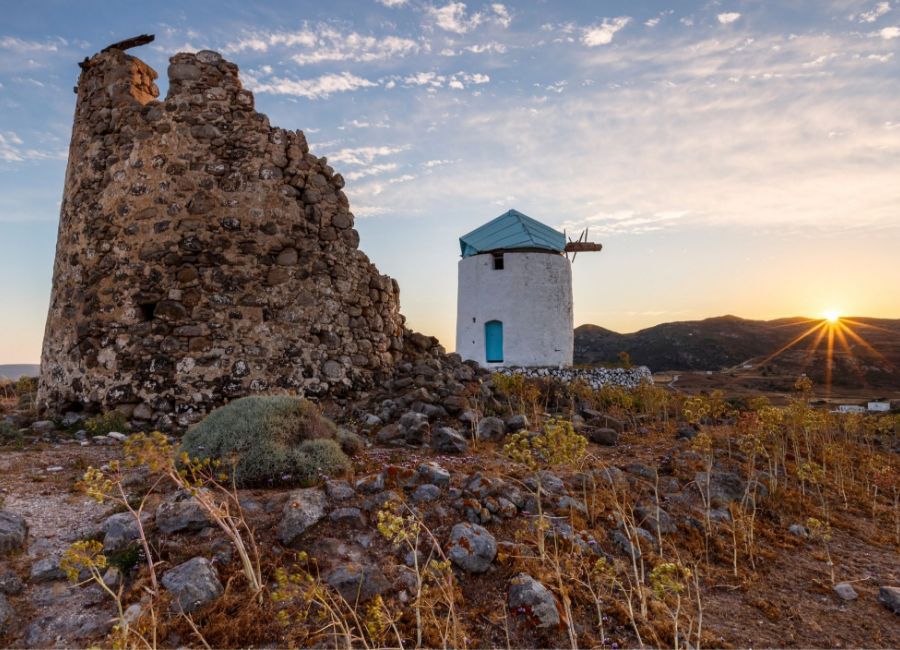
{"x": 432, "y": 80}
{"x": 603, "y": 34}
{"x": 501, "y": 14}
{"x": 492, "y": 47}
{"x": 652, "y": 22}
{"x": 392, "y": 3}
{"x": 874, "y": 14}
{"x": 889, "y": 32}
{"x": 728, "y": 17}
{"x": 325, "y": 43}
{"x": 371, "y": 170}
{"x": 453, "y": 17}
{"x": 317, "y": 88}
{"x": 23, "y": 46}
{"x": 364, "y": 155}
{"x": 12, "y": 150}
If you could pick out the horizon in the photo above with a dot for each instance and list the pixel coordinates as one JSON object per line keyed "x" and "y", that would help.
{"x": 809, "y": 319}
{"x": 732, "y": 158}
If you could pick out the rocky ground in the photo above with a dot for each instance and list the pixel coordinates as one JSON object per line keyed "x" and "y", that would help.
{"x": 475, "y": 506}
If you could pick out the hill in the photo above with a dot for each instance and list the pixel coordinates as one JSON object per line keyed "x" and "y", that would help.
{"x": 14, "y": 371}
{"x": 866, "y": 351}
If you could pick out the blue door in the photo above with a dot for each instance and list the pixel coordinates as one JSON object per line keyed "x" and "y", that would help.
{"x": 493, "y": 341}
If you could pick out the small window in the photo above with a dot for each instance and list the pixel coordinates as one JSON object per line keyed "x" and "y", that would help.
{"x": 147, "y": 309}
{"x": 498, "y": 261}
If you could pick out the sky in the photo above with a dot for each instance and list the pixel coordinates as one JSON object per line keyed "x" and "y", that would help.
{"x": 736, "y": 157}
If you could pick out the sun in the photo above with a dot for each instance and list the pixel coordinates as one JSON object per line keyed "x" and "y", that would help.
{"x": 831, "y": 315}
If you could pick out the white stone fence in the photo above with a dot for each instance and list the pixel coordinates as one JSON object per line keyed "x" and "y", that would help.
{"x": 594, "y": 377}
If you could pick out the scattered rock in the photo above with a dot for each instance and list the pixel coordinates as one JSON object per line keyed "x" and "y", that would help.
{"x": 799, "y": 530}
{"x": 120, "y": 530}
{"x": 845, "y": 591}
{"x": 433, "y": 473}
{"x": 43, "y": 426}
{"x": 6, "y": 615}
{"x": 180, "y": 514}
{"x": 472, "y": 548}
{"x": 890, "y": 598}
{"x": 491, "y": 428}
{"x": 446, "y": 440}
{"x": 531, "y": 599}
{"x": 194, "y": 584}
{"x": 517, "y": 423}
{"x": 602, "y": 436}
{"x": 352, "y": 516}
{"x": 654, "y": 518}
{"x": 46, "y": 569}
{"x": 339, "y": 490}
{"x": 116, "y": 435}
{"x": 10, "y": 584}
{"x": 357, "y": 583}
{"x": 303, "y": 509}
{"x": 686, "y": 432}
{"x": 371, "y": 483}
{"x": 426, "y": 492}
{"x": 13, "y": 531}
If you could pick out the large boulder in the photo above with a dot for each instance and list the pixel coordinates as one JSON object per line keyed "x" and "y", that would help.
{"x": 532, "y": 600}
{"x": 303, "y": 509}
{"x": 13, "y": 531}
{"x": 193, "y": 583}
{"x": 472, "y": 548}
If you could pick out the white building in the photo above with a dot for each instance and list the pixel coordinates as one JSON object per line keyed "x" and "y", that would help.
{"x": 880, "y": 406}
{"x": 850, "y": 408}
{"x": 514, "y": 300}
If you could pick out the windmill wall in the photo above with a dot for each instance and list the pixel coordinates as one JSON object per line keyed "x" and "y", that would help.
{"x": 203, "y": 254}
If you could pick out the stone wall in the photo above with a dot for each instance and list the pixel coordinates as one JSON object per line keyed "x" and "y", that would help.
{"x": 203, "y": 254}
{"x": 593, "y": 377}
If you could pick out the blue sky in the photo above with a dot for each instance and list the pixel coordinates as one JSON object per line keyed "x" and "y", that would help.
{"x": 733, "y": 157}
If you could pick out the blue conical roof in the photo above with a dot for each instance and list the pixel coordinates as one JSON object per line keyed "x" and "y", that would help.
{"x": 511, "y": 230}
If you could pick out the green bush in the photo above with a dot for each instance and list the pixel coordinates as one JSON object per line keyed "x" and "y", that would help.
{"x": 9, "y": 434}
{"x": 100, "y": 425}
{"x": 272, "y": 439}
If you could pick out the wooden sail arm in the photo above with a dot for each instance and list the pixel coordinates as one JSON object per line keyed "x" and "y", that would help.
{"x": 583, "y": 247}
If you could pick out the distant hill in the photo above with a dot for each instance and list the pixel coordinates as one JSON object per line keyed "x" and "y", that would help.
{"x": 16, "y": 371}
{"x": 728, "y": 341}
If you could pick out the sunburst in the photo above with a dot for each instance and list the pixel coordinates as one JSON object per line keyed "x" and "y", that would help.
{"x": 830, "y": 329}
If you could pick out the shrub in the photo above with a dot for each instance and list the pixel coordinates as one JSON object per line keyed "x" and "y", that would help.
{"x": 272, "y": 439}
{"x": 100, "y": 425}
{"x": 9, "y": 434}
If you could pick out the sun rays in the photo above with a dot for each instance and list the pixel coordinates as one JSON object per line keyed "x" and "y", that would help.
{"x": 835, "y": 333}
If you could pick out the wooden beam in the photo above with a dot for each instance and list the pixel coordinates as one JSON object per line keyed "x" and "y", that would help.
{"x": 129, "y": 43}
{"x": 583, "y": 247}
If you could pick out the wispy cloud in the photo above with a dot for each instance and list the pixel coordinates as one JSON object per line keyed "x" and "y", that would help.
{"x": 14, "y": 150}
{"x": 392, "y": 3}
{"x": 875, "y": 13}
{"x": 323, "y": 43}
{"x": 316, "y": 88}
{"x": 603, "y": 33}
{"x": 889, "y": 33}
{"x": 364, "y": 155}
{"x": 24, "y": 46}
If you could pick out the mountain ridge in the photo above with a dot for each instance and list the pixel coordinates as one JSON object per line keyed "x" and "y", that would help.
{"x": 866, "y": 356}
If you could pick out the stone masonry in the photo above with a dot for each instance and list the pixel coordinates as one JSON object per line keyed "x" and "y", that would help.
{"x": 203, "y": 254}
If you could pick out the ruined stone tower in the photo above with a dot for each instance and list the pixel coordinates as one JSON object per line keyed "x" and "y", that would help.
{"x": 203, "y": 254}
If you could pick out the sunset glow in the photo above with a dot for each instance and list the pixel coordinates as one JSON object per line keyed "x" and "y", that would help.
{"x": 831, "y": 315}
